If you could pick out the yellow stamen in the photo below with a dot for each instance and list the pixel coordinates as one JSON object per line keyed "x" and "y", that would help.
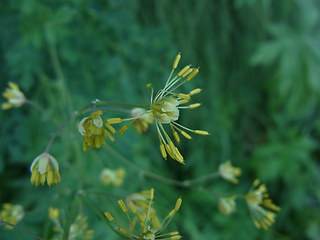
{"x": 176, "y": 61}
{"x": 195, "y": 105}
{"x": 187, "y": 73}
{"x": 109, "y": 216}
{"x": 201, "y": 132}
{"x": 183, "y": 70}
{"x": 195, "y": 91}
{"x": 193, "y": 74}
{"x": 114, "y": 120}
{"x": 176, "y": 136}
{"x": 186, "y": 135}
{"x": 122, "y": 206}
{"x": 123, "y": 129}
{"x": 178, "y": 204}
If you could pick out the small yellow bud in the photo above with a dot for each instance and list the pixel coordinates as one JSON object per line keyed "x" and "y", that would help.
{"x": 201, "y": 132}
{"x": 195, "y": 91}
{"x": 176, "y": 237}
{"x": 149, "y": 85}
{"x": 183, "y": 70}
{"x": 110, "y": 128}
{"x": 122, "y": 230}
{"x": 114, "y": 120}
{"x": 193, "y": 74}
{"x": 109, "y": 216}
{"x": 195, "y": 105}
{"x": 176, "y": 61}
{"x": 151, "y": 193}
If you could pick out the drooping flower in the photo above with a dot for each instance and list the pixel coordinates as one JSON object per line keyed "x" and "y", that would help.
{"x": 15, "y": 97}
{"x": 140, "y": 205}
{"x": 45, "y": 167}
{"x": 229, "y": 172}
{"x": 260, "y": 205}
{"x": 142, "y": 119}
{"x": 227, "y": 205}
{"x": 94, "y": 131}
{"x": 11, "y": 214}
{"x": 115, "y": 177}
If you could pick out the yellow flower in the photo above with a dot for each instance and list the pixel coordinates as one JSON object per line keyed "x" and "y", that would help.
{"x": 140, "y": 204}
{"x": 114, "y": 177}
{"x": 11, "y": 214}
{"x": 142, "y": 119}
{"x": 94, "y": 131}
{"x": 228, "y": 172}
{"x": 165, "y": 109}
{"x": 227, "y": 205}
{"x": 260, "y": 205}
{"x": 54, "y": 213}
{"x": 45, "y": 166}
{"x": 166, "y": 106}
{"x": 15, "y": 97}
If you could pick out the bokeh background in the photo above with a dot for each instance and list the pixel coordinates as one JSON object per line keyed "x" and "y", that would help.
{"x": 260, "y": 74}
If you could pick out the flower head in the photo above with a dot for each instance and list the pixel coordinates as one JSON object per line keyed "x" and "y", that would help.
{"x": 166, "y": 105}
{"x": 15, "y": 97}
{"x": 260, "y": 205}
{"x": 227, "y": 205}
{"x": 45, "y": 167}
{"x": 94, "y": 131}
{"x": 164, "y": 109}
{"x": 115, "y": 177}
{"x": 11, "y": 214}
{"x": 140, "y": 205}
{"x": 229, "y": 172}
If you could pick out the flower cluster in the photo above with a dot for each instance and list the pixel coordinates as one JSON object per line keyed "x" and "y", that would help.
{"x": 229, "y": 172}
{"x": 140, "y": 205}
{"x": 45, "y": 167}
{"x": 15, "y": 97}
{"x": 115, "y": 177}
{"x": 78, "y": 229}
{"x": 11, "y": 214}
{"x": 94, "y": 131}
{"x": 260, "y": 205}
{"x": 164, "y": 109}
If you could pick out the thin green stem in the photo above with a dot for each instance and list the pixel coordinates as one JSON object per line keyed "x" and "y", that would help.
{"x": 21, "y": 229}
{"x": 186, "y": 183}
{"x": 42, "y": 110}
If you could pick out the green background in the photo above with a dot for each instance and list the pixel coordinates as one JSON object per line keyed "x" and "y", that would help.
{"x": 259, "y": 71}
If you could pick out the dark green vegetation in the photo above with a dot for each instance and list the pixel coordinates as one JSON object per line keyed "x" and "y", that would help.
{"x": 260, "y": 74}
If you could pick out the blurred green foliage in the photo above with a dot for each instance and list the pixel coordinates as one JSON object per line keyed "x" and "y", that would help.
{"x": 261, "y": 93}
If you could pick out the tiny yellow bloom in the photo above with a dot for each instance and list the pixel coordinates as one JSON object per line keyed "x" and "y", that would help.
{"x": 11, "y": 214}
{"x": 227, "y": 205}
{"x": 140, "y": 205}
{"x": 15, "y": 97}
{"x": 260, "y": 205}
{"x": 45, "y": 167}
{"x": 115, "y": 177}
{"x": 94, "y": 131}
{"x": 228, "y": 172}
{"x": 54, "y": 213}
